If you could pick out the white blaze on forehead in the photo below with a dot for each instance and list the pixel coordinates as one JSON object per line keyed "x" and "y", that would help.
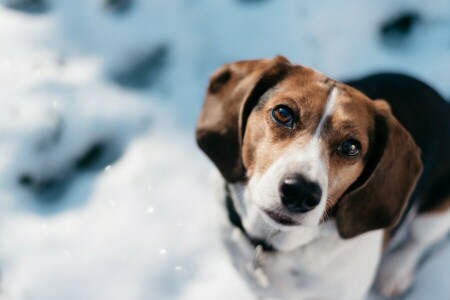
{"x": 308, "y": 160}
{"x": 331, "y": 101}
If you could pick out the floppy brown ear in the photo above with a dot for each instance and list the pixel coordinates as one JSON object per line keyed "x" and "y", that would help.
{"x": 233, "y": 91}
{"x": 377, "y": 199}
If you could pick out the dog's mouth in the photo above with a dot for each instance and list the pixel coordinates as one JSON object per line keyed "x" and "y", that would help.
{"x": 280, "y": 218}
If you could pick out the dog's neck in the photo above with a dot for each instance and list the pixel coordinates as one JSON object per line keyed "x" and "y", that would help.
{"x": 236, "y": 220}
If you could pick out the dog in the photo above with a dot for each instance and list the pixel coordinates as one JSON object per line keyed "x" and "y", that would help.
{"x": 320, "y": 176}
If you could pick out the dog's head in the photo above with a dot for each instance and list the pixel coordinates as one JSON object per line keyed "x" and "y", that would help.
{"x": 302, "y": 143}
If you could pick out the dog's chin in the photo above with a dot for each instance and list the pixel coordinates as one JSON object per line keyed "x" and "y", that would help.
{"x": 291, "y": 234}
{"x": 279, "y": 221}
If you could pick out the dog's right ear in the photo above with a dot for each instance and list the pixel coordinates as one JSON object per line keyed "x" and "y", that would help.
{"x": 233, "y": 91}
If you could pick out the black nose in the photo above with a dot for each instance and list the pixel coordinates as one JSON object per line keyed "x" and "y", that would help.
{"x": 298, "y": 194}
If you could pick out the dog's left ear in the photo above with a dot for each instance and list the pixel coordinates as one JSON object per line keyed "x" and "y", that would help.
{"x": 232, "y": 93}
{"x": 378, "y": 197}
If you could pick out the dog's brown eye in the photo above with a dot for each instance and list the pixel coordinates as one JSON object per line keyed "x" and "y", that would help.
{"x": 283, "y": 115}
{"x": 349, "y": 147}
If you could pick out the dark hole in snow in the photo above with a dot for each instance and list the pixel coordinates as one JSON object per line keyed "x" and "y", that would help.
{"x": 251, "y": 1}
{"x": 118, "y": 6}
{"x": 99, "y": 155}
{"x": 91, "y": 157}
{"x": 46, "y": 189}
{"x": 145, "y": 69}
{"x": 26, "y": 180}
{"x": 396, "y": 30}
{"x": 28, "y": 6}
{"x": 50, "y": 188}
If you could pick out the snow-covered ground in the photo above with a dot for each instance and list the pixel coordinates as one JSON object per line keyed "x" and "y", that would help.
{"x": 103, "y": 193}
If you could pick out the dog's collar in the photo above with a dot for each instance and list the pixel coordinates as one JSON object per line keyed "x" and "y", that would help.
{"x": 235, "y": 219}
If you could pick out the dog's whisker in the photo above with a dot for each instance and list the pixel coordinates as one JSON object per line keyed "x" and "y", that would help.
{"x": 272, "y": 234}
{"x": 240, "y": 194}
{"x": 244, "y": 177}
{"x": 326, "y": 215}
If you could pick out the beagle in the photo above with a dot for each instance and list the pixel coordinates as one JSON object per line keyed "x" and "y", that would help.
{"x": 320, "y": 174}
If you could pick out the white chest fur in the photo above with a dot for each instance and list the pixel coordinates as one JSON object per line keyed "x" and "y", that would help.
{"x": 327, "y": 267}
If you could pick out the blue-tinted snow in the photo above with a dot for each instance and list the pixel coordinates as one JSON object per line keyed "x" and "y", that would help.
{"x": 141, "y": 224}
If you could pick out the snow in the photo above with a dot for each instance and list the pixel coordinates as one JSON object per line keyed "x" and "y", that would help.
{"x": 103, "y": 193}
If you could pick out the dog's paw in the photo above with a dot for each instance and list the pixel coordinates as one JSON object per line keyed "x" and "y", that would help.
{"x": 394, "y": 286}
{"x": 396, "y": 275}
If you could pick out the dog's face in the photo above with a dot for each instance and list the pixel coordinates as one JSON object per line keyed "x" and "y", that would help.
{"x": 305, "y": 147}
{"x": 305, "y": 143}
